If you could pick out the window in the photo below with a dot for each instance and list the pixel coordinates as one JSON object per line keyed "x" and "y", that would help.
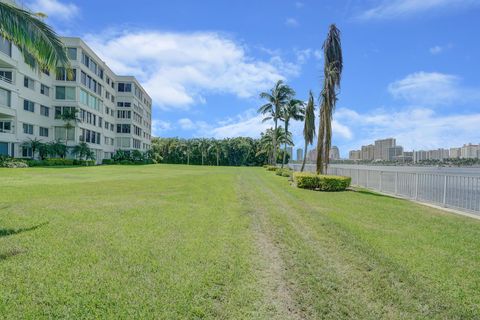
{"x": 66, "y": 75}
{"x": 27, "y": 128}
{"x": 124, "y": 114}
{"x": 90, "y": 136}
{"x": 123, "y": 128}
{"x": 65, "y": 93}
{"x": 124, "y": 87}
{"x": 61, "y": 133}
{"x": 4, "y": 96}
{"x": 63, "y": 110}
{"x": 6, "y": 75}
{"x": 27, "y": 152}
{"x": 43, "y": 132}
{"x": 5, "y": 126}
{"x": 45, "y": 90}
{"x": 44, "y": 111}
{"x": 28, "y": 106}
{"x": 72, "y": 53}
{"x": 28, "y": 83}
{"x": 123, "y": 142}
{"x": 136, "y": 144}
{"x": 5, "y": 46}
{"x": 124, "y": 104}
{"x": 90, "y": 100}
{"x": 137, "y": 131}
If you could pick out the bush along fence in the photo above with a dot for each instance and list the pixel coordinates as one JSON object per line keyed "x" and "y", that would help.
{"x": 312, "y": 181}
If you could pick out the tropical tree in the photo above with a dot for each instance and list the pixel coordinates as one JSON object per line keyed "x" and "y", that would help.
{"x": 308, "y": 126}
{"x": 333, "y": 67}
{"x": 269, "y": 138}
{"x": 35, "y": 144}
{"x": 293, "y": 110}
{"x": 277, "y": 98}
{"x": 216, "y": 145}
{"x": 69, "y": 116}
{"x": 39, "y": 44}
{"x": 57, "y": 148}
{"x": 202, "y": 145}
{"x": 82, "y": 150}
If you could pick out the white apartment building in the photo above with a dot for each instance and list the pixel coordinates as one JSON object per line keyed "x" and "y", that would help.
{"x": 470, "y": 151}
{"x": 334, "y": 153}
{"x": 114, "y": 111}
{"x": 381, "y": 151}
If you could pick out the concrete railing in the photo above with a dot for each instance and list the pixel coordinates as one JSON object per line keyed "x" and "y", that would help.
{"x": 458, "y": 191}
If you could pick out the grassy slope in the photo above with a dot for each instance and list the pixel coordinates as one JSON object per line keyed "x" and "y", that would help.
{"x": 192, "y": 242}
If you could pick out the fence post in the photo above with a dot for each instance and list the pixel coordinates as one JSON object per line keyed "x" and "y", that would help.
{"x": 416, "y": 186}
{"x": 396, "y": 182}
{"x": 368, "y": 174}
{"x": 381, "y": 181}
{"x": 358, "y": 177}
{"x": 445, "y": 191}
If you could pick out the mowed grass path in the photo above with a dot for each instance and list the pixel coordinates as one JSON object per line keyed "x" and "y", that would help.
{"x": 186, "y": 242}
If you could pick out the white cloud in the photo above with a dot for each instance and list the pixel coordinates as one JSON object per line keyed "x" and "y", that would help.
{"x": 415, "y": 128}
{"x": 299, "y": 4}
{"x": 180, "y": 69}
{"x": 431, "y": 89}
{"x": 388, "y": 9}
{"x": 186, "y": 124}
{"x": 160, "y": 126}
{"x": 436, "y": 50}
{"x": 291, "y": 22}
{"x": 54, "y": 9}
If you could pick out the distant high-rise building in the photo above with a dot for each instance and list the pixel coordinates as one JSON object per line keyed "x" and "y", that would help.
{"x": 394, "y": 152}
{"x": 368, "y": 152}
{"x": 470, "y": 151}
{"x": 354, "y": 155}
{"x": 334, "y": 153}
{"x": 299, "y": 154}
{"x": 381, "y": 148}
{"x": 455, "y": 153}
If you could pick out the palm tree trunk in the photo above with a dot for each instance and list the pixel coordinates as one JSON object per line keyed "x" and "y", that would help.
{"x": 320, "y": 143}
{"x": 188, "y": 158}
{"x": 304, "y": 156}
{"x": 285, "y": 145}
{"x": 275, "y": 144}
{"x": 218, "y": 158}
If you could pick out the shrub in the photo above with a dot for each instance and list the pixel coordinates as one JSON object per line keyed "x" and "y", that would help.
{"x": 283, "y": 172}
{"x": 271, "y": 168}
{"x": 321, "y": 182}
{"x": 8, "y": 162}
{"x": 107, "y": 161}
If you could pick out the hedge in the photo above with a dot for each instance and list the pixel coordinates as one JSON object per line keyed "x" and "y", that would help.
{"x": 271, "y": 168}
{"x": 314, "y": 181}
{"x": 284, "y": 172}
{"x": 54, "y": 162}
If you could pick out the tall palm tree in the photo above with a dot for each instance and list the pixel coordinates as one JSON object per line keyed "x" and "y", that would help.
{"x": 277, "y": 98}
{"x": 35, "y": 144}
{"x": 308, "y": 126}
{"x": 38, "y": 43}
{"x": 293, "y": 110}
{"x": 331, "y": 83}
{"x": 216, "y": 145}
{"x": 202, "y": 145}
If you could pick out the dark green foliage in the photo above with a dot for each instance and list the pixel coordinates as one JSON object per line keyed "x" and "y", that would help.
{"x": 314, "y": 181}
{"x": 240, "y": 151}
{"x": 271, "y": 168}
{"x": 284, "y": 172}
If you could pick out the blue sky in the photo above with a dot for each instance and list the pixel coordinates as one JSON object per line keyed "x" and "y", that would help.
{"x": 411, "y": 66}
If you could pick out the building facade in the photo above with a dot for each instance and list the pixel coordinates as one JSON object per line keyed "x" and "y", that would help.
{"x": 334, "y": 153}
{"x": 381, "y": 151}
{"x": 114, "y": 112}
{"x": 299, "y": 154}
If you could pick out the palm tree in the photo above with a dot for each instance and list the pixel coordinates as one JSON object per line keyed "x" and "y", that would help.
{"x": 35, "y": 144}
{"x": 277, "y": 98}
{"x": 39, "y": 44}
{"x": 202, "y": 145}
{"x": 69, "y": 116}
{"x": 82, "y": 150}
{"x": 331, "y": 83}
{"x": 309, "y": 126}
{"x": 268, "y": 140}
{"x": 217, "y": 146}
{"x": 57, "y": 148}
{"x": 293, "y": 111}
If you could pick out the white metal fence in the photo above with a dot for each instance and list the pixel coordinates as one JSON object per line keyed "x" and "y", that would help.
{"x": 458, "y": 191}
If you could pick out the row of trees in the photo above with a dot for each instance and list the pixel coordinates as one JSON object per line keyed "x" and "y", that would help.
{"x": 240, "y": 151}
{"x": 282, "y": 106}
{"x": 57, "y": 148}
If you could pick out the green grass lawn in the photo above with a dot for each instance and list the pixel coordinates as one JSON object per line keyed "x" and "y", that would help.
{"x": 178, "y": 242}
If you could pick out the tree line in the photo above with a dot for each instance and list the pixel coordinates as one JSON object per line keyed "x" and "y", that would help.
{"x": 239, "y": 151}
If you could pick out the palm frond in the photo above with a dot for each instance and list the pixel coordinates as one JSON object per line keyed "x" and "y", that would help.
{"x": 38, "y": 43}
